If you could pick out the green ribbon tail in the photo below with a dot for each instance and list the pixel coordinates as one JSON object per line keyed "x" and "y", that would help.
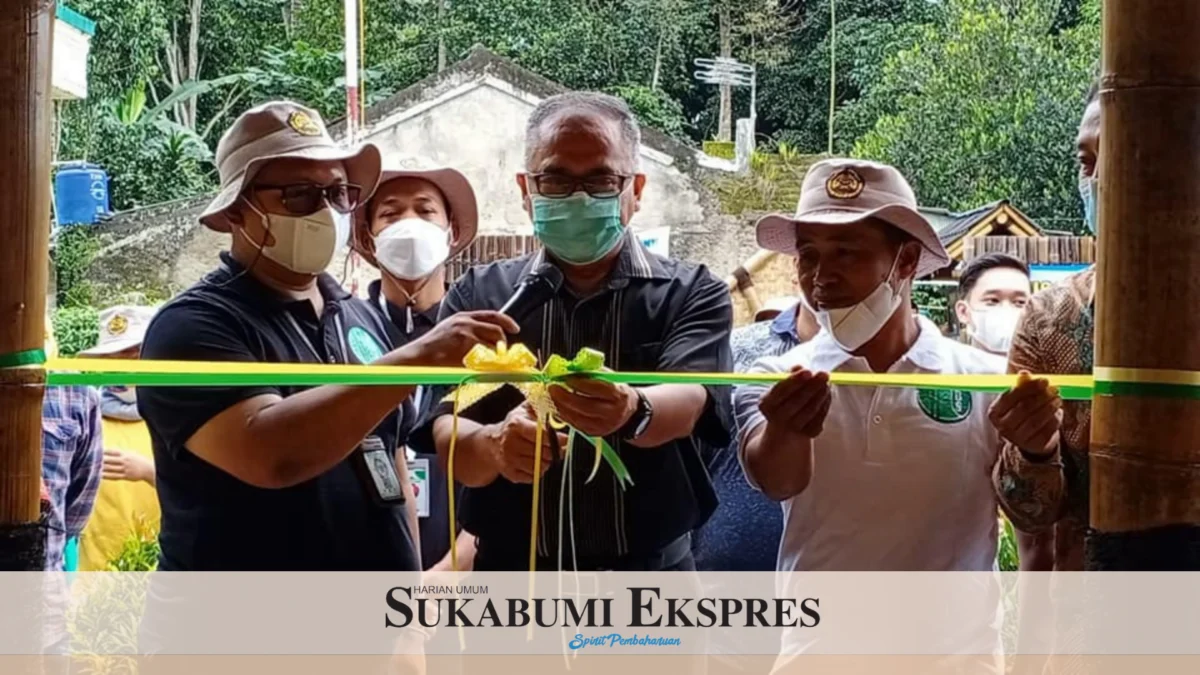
{"x": 610, "y": 457}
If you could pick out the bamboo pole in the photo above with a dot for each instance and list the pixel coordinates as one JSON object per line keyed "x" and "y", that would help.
{"x": 1145, "y": 448}
{"x": 25, "y": 48}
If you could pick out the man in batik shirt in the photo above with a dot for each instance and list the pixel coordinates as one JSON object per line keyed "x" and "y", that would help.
{"x": 1041, "y": 478}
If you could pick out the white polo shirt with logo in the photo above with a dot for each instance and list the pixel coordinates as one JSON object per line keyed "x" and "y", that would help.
{"x": 901, "y": 482}
{"x": 901, "y": 477}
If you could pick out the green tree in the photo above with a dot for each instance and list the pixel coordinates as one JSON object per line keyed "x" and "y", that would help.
{"x": 985, "y": 106}
{"x": 794, "y": 94}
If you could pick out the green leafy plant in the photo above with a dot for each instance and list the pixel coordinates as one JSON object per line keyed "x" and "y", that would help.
{"x": 933, "y": 302}
{"x": 74, "y": 249}
{"x": 139, "y": 553}
{"x": 76, "y": 329}
{"x": 654, "y": 108}
{"x": 772, "y": 184}
{"x": 720, "y": 149}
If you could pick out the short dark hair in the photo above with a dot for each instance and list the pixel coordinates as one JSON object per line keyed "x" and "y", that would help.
{"x": 977, "y": 267}
{"x": 604, "y": 105}
{"x": 1093, "y": 93}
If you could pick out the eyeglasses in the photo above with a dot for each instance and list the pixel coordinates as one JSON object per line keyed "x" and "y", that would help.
{"x": 302, "y": 199}
{"x": 558, "y": 186}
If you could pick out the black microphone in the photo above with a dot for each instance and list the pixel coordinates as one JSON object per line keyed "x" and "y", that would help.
{"x": 535, "y": 290}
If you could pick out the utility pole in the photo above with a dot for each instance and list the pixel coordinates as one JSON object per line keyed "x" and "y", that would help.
{"x": 351, "y": 41}
{"x": 1145, "y": 445}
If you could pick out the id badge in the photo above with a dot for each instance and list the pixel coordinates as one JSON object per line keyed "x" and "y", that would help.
{"x": 418, "y": 475}
{"x": 378, "y": 471}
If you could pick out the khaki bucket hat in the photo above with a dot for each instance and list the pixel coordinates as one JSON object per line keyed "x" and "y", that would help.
{"x": 278, "y": 130}
{"x": 121, "y": 327}
{"x": 847, "y": 191}
{"x": 455, "y": 189}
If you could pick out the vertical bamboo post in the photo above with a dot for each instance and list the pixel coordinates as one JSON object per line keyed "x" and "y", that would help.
{"x": 25, "y": 48}
{"x": 1145, "y": 446}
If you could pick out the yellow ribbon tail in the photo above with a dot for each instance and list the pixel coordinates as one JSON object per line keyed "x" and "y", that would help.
{"x": 450, "y": 484}
{"x": 596, "y": 459}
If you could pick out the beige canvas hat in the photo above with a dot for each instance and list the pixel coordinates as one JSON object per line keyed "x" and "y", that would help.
{"x": 121, "y": 327}
{"x": 277, "y": 130}
{"x": 847, "y": 191}
{"x": 455, "y": 189}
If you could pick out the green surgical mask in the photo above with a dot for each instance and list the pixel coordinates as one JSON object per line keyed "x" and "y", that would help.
{"x": 579, "y": 229}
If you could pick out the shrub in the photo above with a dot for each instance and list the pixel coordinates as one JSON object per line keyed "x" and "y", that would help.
{"x": 139, "y": 553}
{"x": 76, "y": 329}
{"x": 74, "y": 249}
{"x": 721, "y": 149}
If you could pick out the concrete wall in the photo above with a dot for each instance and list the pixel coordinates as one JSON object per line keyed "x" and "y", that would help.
{"x": 478, "y": 127}
{"x": 162, "y": 249}
{"x": 69, "y": 63}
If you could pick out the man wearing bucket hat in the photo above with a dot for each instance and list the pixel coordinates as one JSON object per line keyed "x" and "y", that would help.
{"x": 126, "y": 504}
{"x": 872, "y": 479}
{"x": 884, "y": 464}
{"x": 269, "y": 477}
{"x": 421, "y": 216}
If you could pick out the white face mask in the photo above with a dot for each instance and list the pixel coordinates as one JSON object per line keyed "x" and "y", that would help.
{"x": 412, "y": 248}
{"x": 993, "y": 327}
{"x": 852, "y": 327}
{"x": 304, "y": 244}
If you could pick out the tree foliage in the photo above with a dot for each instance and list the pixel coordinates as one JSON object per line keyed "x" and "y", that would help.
{"x": 985, "y": 106}
{"x": 975, "y": 99}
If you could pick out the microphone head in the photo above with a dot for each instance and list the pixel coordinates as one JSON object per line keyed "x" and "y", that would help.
{"x": 550, "y": 274}
{"x": 536, "y": 290}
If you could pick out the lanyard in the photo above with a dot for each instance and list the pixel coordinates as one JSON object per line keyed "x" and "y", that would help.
{"x": 337, "y": 322}
{"x": 419, "y": 392}
{"x": 408, "y": 317}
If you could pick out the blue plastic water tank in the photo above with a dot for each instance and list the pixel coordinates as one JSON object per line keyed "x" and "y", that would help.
{"x": 80, "y": 194}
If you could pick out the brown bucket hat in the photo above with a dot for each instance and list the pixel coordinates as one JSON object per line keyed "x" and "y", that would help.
{"x": 847, "y": 191}
{"x": 455, "y": 189}
{"x": 277, "y": 130}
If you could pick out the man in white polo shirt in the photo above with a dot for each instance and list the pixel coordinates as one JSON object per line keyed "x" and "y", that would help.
{"x": 871, "y": 479}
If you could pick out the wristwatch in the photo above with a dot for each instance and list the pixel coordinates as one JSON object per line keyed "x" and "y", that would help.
{"x": 640, "y": 420}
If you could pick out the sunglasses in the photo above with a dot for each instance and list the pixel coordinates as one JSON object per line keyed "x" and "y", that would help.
{"x": 302, "y": 199}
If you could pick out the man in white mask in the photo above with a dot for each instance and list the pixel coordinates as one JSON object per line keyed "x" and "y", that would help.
{"x": 273, "y": 477}
{"x": 420, "y": 217}
{"x": 871, "y": 479}
{"x": 993, "y": 291}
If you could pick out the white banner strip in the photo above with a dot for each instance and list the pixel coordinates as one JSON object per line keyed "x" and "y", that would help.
{"x": 613, "y": 613}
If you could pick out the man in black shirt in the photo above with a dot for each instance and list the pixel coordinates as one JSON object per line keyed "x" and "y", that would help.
{"x": 286, "y": 478}
{"x": 644, "y": 312}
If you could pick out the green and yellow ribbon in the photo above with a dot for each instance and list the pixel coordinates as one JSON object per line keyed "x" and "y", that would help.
{"x": 117, "y": 372}
{"x": 519, "y": 361}
{"x": 487, "y": 369}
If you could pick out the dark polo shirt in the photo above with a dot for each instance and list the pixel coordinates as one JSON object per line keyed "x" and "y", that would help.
{"x": 435, "y": 527}
{"x": 213, "y": 521}
{"x": 654, "y": 314}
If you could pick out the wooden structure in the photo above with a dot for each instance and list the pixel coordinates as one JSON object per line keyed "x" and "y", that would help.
{"x": 1145, "y": 458}
{"x": 25, "y": 48}
{"x": 489, "y": 248}
{"x": 1034, "y": 250}
{"x": 998, "y": 219}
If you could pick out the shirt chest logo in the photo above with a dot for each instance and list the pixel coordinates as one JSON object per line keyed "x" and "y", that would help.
{"x": 364, "y": 347}
{"x": 945, "y": 405}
